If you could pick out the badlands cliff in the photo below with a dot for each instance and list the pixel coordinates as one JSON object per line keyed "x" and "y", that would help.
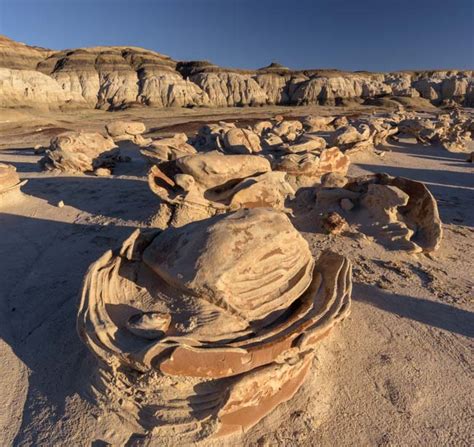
{"x": 113, "y": 78}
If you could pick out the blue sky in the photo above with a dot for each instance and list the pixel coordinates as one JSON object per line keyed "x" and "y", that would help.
{"x": 378, "y": 35}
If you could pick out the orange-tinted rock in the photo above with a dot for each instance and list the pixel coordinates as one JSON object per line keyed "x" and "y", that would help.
{"x": 223, "y": 313}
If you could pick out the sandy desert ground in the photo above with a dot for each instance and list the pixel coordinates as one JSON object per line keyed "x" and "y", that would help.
{"x": 398, "y": 371}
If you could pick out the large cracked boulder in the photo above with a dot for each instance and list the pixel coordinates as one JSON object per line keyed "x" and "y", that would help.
{"x": 79, "y": 152}
{"x": 214, "y": 323}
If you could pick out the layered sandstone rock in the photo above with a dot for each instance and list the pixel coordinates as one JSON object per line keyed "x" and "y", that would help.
{"x": 29, "y": 88}
{"x": 306, "y": 169}
{"x": 399, "y": 212}
{"x": 241, "y": 141}
{"x": 215, "y": 323}
{"x": 230, "y": 89}
{"x": 211, "y": 137}
{"x": 79, "y": 152}
{"x": 10, "y": 185}
{"x": 168, "y": 149}
{"x": 199, "y": 186}
{"x": 362, "y": 134}
{"x": 127, "y": 131}
{"x": 116, "y": 77}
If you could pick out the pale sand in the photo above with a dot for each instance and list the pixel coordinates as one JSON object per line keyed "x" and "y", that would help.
{"x": 398, "y": 371}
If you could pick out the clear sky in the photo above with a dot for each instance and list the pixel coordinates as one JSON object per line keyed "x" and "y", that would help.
{"x": 378, "y": 35}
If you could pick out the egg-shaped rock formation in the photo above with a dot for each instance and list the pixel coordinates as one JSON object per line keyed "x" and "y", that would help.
{"x": 198, "y": 186}
{"x": 202, "y": 330}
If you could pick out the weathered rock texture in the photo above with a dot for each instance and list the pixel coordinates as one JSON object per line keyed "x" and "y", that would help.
{"x": 202, "y": 330}
{"x": 401, "y": 213}
{"x": 10, "y": 184}
{"x": 168, "y": 149}
{"x": 79, "y": 152}
{"x": 451, "y": 131}
{"x": 116, "y": 77}
{"x": 198, "y": 186}
{"x": 127, "y": 131}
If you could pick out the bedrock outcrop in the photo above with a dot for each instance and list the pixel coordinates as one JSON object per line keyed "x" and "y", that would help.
{"x": 116, "y": 77}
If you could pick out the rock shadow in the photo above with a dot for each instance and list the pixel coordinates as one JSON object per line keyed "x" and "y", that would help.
{"x": 44, "y": 263}
{"x": 431, "y": 313}
{"x": 116, "y": 197}
{"x": 454, "y": 191}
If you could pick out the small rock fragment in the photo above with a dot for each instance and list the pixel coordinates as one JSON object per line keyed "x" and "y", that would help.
{"x": 346, "y": 204}
{"x": 334, "y": 223}
{"x": 102, "y": 172}
{"x": 333, "y": 180}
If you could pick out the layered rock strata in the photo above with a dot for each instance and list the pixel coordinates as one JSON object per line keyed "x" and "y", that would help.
{"x": 116, "y": 77}
{"x": 202, "y": 330}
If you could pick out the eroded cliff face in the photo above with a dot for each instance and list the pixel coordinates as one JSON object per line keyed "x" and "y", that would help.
{"x": 111, "y": 78}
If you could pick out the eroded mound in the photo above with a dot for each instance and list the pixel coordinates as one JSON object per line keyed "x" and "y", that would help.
{"x": 10, "y": 184}
{"x": 400, "y": 212}
{"x": 202, "y": 330}
{"x": 79, "y": 152}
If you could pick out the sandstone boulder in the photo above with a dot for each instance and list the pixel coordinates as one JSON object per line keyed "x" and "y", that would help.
{"x": 288, "y": 130}
{"x": 318, "y": 123}
{"x": 241, "y": 141}
{"x": 401, "y": 213}
{"x": 306, "y": 143}
{"x": 166, "y": 149}
{"x": 262, "y": 127}
{"x": 211, "y": 136}
{"x": 10, "y": 185}
{"x": 306, "y": 169}
{"x": 126, "y": 130}
{"x": 79, "y": 152}
{"x": 226, "y": 312}
{"x": 451, "y": 131}
{"x": 199, "y": 186}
